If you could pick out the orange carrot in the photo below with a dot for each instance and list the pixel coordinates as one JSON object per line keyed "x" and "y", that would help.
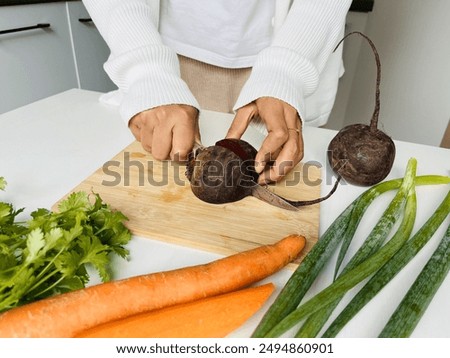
{"x": 67, "y": 314}
{"x": 211, "y": 317}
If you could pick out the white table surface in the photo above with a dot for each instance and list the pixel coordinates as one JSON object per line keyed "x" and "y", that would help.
{"x": 50, "y": 146}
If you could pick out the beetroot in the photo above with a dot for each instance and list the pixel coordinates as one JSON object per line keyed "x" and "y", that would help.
{"x": 225, "y": 172}
{"x": 362, "y": 154}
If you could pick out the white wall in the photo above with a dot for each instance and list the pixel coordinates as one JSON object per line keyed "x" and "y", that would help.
{"x": 356, "y": 21}
{"x": 413, "y": 40}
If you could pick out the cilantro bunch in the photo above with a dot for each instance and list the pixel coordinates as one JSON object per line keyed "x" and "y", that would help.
{"x": 50, "y": 253}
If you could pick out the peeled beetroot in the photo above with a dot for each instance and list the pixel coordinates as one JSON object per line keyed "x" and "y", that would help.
{"x": 362, "y": 154}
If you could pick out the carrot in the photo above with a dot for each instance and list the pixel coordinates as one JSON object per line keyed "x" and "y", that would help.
{"x": 211, "y": 317}
{"x": 67, "y": 314}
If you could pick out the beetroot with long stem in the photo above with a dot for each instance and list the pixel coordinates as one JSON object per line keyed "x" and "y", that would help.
{"x": 363, "y": 154}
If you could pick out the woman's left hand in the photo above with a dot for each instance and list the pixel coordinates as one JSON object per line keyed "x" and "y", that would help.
{"x": 284, "y": 141}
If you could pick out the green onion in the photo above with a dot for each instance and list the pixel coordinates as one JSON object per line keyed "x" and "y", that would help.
{"x": 306, "y": 273}
{"x": 303, "y": 277}
{"x": 352, "y": 277}
{"x": 388, "y": 271}
{"x": 374, "y": 241}
{"x": 417, "y": 299}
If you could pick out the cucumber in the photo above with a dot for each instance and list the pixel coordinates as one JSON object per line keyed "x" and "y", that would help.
{"x": 417, "y": 299}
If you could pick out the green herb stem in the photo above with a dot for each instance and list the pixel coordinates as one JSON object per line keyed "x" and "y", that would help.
{"x": 49, "y": 288}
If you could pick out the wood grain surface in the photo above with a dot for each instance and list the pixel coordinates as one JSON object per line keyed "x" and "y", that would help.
{"x": 157, "y": 199}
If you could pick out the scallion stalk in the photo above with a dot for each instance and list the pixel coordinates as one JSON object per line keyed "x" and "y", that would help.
{"x": 352, "y": 277}
{"x": 388, "y": 271}
{"x": 417, "y": 299}
{"x": 315, "y": 322}
{"x": 306, "y": 273}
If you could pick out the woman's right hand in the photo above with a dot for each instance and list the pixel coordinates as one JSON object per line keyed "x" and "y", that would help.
{"x": 168, "y": 132}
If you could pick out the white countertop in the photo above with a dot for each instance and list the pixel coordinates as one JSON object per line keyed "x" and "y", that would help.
{"x": 50, "y": 146}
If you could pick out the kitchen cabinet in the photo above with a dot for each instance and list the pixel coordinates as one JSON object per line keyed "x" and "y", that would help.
{"x": 90, "y": 50}
{"x": 60, "y": 54}
{"x": 36, "y": 63}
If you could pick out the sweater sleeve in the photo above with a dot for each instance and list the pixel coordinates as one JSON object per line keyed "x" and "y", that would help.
{"x": 289, "y": 69}
{"x": 144, "y": 69}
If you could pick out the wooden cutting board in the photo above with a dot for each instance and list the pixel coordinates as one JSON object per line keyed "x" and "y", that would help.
{"x": 157, "y": 199}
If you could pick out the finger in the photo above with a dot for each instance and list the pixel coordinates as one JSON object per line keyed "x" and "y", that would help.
{"x": 271, "y": 145}
{"x": 183, "y": 140}
{"x": 197, "y": 135}
{"x": 294, "y": 126}
{"x": 272, "y": 113}
{"x": 240, "y": 123}
{"x": 292, "y": 151}
{"x": 295, "y": 133}
{"x": 162, "y": 141}
{"x": 282, "y": 165}
{"x": 135, "y": 128}
{"x": 290, "y": 155}
{"x": 146, "y": 133}
{"x": 146, "y": 138}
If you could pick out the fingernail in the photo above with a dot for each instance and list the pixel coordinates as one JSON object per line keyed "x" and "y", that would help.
{"x": 265, "y": 180}
{"x": 259, "y": 167}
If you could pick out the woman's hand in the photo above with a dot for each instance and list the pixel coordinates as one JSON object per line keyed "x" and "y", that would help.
{"x": 284, "y": 142}
{"x": 168, "y": 132}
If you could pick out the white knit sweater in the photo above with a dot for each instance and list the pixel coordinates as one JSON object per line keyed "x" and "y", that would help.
{"x": 299, "y": 67}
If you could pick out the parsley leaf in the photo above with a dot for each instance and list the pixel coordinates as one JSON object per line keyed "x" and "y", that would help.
{"x": 2, "y": 183}
{"x": 51, "y": 252}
